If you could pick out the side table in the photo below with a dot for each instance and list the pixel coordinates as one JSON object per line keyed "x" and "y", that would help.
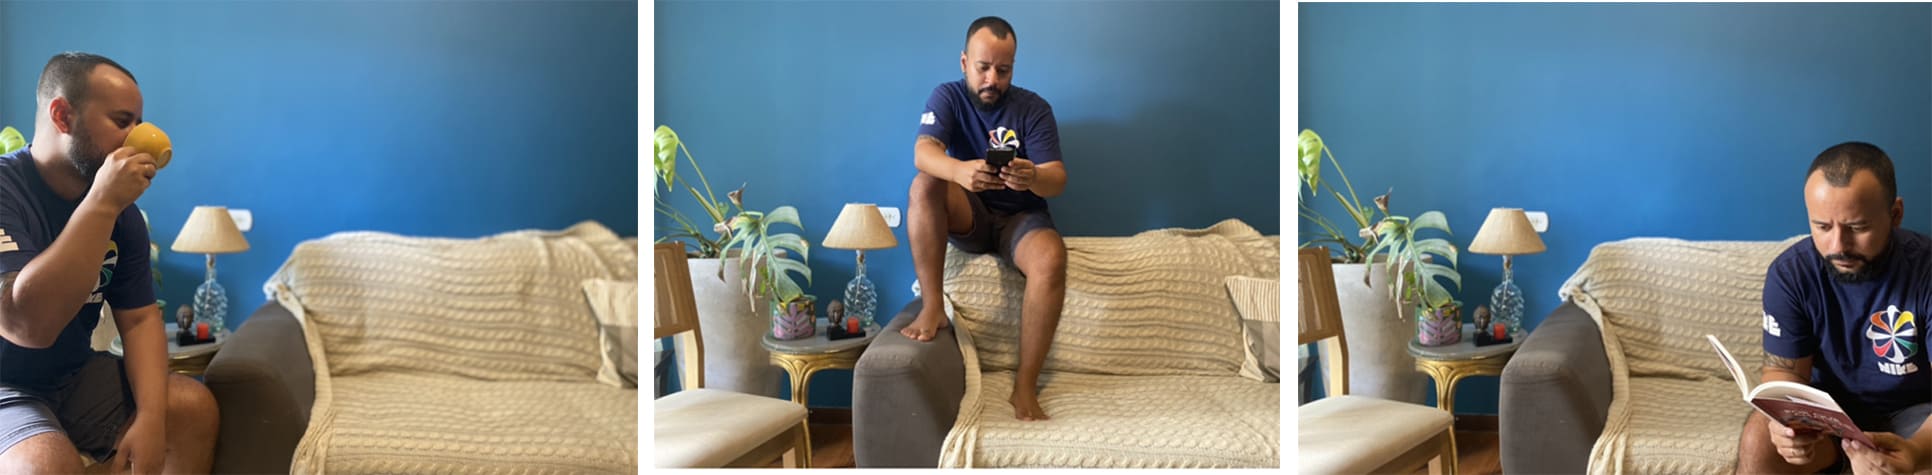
{"x": 190, "y": 361}
{"x": 1448, "y": 364}
{"x": 805, "y": 356}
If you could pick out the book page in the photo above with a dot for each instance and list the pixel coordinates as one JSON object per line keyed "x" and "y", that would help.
{"x": 1737, "y": 372}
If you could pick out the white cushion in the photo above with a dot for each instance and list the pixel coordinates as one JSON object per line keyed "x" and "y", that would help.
{"x": 712, "y": 427}
{"x": 1259, "y": 302}
{"x": 1357, "y": 434}
{"x": 614, "y": 303}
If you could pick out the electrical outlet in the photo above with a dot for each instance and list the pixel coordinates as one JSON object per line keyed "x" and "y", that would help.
{"x": 244, "y": 219}
{"x": 1540, "y": 221}
{"x": 891, "y": 216}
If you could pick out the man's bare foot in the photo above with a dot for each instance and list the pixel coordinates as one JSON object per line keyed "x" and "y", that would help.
{"x": 926, "y": 326}
{"x": 1026, "y": 406}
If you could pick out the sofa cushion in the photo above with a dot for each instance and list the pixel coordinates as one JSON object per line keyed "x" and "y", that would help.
{"x": 420, "y": 423}
{"x": 1150, "y": 304}
{"x": 1121, "y": 422}
{"x": 1259, "y": 302}
{"x": 504, "y": 307}
{"x": 614, "y": 302}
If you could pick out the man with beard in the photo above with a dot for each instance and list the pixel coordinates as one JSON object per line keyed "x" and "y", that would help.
{"x": 958, "y": 197}
{"x": 72, "y": 239}
{"x": 1841, "y": 313}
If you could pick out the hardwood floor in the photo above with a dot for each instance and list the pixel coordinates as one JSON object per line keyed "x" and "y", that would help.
{"x": 1478, "y": 448}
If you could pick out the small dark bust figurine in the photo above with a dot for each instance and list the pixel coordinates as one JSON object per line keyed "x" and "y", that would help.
{"x": 1482, "y": 318}
{"x": 186, "y": 317}
{"x": 835, "y": 312}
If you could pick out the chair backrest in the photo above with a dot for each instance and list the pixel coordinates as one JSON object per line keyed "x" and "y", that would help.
{"x": 677, "y": 312}
{"x": 1321, "y": 317}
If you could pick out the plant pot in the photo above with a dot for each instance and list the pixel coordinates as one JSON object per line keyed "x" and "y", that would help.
{"x": 1379, "y": 364}
{"x": 1438, "y": 326}
{"x": 734, "y": 360}
{"x": 795, "y": 320}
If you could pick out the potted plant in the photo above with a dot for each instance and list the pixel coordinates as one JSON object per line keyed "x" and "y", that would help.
{"x": 793, "y": 314}
{"x": 1375, "y": 313}
{"x": 730, "y": 309}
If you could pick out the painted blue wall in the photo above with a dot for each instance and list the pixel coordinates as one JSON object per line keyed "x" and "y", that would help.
{"x": 1687, "y": 121}
{"x": 456, "y": 119}
{"x": 1169, "y": 112}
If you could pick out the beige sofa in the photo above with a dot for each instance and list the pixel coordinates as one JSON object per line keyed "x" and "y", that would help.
{"x": 434, "y": 355}
{"x": 1143, "y": 372}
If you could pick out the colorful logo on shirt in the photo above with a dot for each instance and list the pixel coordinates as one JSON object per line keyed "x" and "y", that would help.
{"x": 108, "y": 264}
{"x": 6, "y": 242}
{"x": 1892, "y": 334}
{"x": 1002, "y": 137}
{"x": 928, "y": 119}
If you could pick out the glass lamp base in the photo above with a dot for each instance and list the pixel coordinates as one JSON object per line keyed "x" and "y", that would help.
{"x": 211, "y": 306}
{"x": 1506, "y": 303}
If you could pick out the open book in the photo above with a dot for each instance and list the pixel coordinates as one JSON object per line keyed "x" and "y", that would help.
{"x": 1795, "y": 405}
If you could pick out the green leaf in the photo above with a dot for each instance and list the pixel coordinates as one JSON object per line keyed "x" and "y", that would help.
{"x": 665, "y": 144}
{"x": 1438, "y": 246}
{"x": 791, "y": 242}
{"x": 1309, "y": 147}
{"x": 1432, "y": 220}
{"x": 782, "y": 268}
{"x": 11, "y": 140}
{"x": 784, "y": 215}
{"x": 1433, "y": 271}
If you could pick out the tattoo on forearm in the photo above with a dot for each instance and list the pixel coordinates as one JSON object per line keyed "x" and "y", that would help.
{"x": 1780, "y": 363}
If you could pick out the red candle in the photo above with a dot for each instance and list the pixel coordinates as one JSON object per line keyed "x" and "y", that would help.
{"x": 201, "y": 331}
{"x": 1499, "y": 331}
{"x": 852, "y": 325}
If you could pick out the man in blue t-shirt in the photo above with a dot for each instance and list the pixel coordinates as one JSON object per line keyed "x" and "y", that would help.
{"x": 72, "y": 239}
{"x": 1841, "y": 313}
{"x": 958, "y": 197}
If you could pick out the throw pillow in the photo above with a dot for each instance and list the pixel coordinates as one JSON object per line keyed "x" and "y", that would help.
{"x": 614, "y": 302}
{"x": 1258, "y": 301}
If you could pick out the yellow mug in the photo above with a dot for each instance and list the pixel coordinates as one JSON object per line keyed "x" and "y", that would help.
{"x": 146, "y": 138}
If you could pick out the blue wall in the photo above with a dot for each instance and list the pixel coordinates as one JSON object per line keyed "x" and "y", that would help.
{"x": 456, "y": 119}
{"x": 1169, "y": 112}
{"x": 1687, "y": 121}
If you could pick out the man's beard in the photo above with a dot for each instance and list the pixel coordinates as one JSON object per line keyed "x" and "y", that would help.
{"x": 84, "y": 156}
{"x": 997, "y": 95}
{"x": 1865, "y": 273}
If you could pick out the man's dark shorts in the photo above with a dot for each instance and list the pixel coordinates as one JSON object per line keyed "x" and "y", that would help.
{"x": 90, "y": 406}
{"x": 998, "y": 231}
{"x": 1903, "y": 423}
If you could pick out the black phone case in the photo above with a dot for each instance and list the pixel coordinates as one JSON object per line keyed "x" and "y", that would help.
{"x": 998, "y": 157}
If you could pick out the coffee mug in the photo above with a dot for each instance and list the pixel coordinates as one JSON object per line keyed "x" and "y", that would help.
{"x": 149, "y": 139}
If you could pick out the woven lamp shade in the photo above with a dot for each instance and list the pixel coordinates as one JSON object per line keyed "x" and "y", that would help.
{"x": 860, "y": 227}
{"x": 209, "y": 231}
{"x": 1507, "y": 231}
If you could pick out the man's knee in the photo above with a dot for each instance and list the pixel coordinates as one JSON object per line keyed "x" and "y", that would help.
{"x": 190, "y": 403}
{"x": 1043, "y": 255}
{"x": 47, "y": 452}
{"x": 927, "y": 186}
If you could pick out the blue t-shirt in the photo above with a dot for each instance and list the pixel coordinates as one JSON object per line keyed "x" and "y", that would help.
{"x": 1865, "y": 340}
{"x": 31, "y": 216}
{"x": 953, "y": 116}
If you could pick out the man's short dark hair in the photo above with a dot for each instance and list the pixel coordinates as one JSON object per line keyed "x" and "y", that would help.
{"x": 66, "y": 77}
{"x": 1000, "y": 28}
{"x": 1842, "y": 161}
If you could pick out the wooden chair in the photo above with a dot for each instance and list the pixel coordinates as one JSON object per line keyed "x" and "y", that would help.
{"x": 700, "y": 427}
{"x": 1356, "y": 434}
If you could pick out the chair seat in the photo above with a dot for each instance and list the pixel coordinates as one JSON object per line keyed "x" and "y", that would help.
{"x": 1356, "y": 434}
{"x": 712, "y": 427}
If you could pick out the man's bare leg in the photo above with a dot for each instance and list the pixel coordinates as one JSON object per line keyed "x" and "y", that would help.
{"x": 47, "y": 452}
{"x": 1755, "y": 454}
{"x": 192, "y": 424}
{"x": 935, "y": 207}
{"x": 1042, "y": 256}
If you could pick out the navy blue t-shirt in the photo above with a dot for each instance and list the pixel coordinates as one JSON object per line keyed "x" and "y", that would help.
{"x": 953, "y": 116}
{"x": 1865, "y": 340}
{"x": 31, "y": 216}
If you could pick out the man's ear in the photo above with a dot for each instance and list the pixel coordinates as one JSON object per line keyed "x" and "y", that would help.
{"x": 1898, "y": 211}
{"x": 62, "y": 113}
{"x": 962, "y": 62}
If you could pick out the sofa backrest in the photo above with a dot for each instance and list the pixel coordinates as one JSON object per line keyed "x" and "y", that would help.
{"x": 1152, "y": 304}
{"x": 1659, "y": 297}
{"x": 502, "y": 307}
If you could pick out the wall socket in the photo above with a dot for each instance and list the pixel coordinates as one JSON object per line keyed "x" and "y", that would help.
{"x": 244, "y": 219}
{"x": 891, "y": 216}
{"x": 1539, "y": 220}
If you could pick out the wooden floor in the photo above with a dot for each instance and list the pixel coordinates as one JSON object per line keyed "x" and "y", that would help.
{"x": 1477, "y": 447}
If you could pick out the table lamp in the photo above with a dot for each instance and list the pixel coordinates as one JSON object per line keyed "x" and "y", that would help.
{"x": 860, "y": 227}
{"x": 1507, "y": 232}
{"x": 210, "y": 230}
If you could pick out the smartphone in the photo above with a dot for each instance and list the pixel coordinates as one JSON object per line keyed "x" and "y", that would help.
{"x": 999, "y": 157}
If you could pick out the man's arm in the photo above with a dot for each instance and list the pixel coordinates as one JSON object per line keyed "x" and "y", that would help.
{"x": 145, "y": 350}
{"x": 929, "y": 156}
{"x": 1049, "y": 179}
{"x": 40, "y": 299}
{"x": 1778, "y": 368}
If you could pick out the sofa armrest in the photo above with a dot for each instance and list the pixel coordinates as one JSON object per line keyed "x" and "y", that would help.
{"x": 905, "y": 396}
{"x": 1555, "y": 396}
{"x": 264, "y": 385}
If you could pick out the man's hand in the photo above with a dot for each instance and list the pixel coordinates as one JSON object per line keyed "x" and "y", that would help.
{"x": 976, "y": 176}
{"x": 1797, "y": 446}
{"x": 145, "y": 445}
{"x": 1894, "y": 455}
{"x": 1018, "y": 174}
{"x": 123, "y": 177}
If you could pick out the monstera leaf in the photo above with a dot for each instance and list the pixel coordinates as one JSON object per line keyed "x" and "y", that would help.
{"x": 11, "y": 140}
